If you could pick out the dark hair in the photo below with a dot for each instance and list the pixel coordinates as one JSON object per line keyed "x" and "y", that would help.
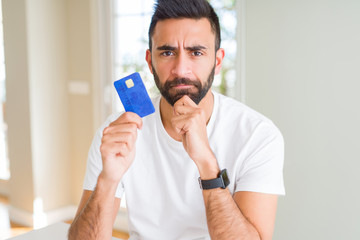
{"x": 195, "y": 9}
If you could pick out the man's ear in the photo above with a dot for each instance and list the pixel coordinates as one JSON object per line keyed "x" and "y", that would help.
{"x": 148, "y": 60}
{"x": 219, "y": 57}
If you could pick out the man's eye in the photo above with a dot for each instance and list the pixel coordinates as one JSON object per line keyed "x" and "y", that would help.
{"x": 197, "y": 53}
{"x": 167, "y": 53}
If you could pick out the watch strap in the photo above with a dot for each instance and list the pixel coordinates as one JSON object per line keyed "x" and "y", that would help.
{"x": 211, "y": 183}
{"x": 222, "y": 181}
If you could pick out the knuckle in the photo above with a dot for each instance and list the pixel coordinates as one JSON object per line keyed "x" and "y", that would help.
{"x": 103, "y": 139}
{"x": 123, "y": 118}
{"x": 106, "y": 138}
{"x": 123, "y": 149}
{"x": 200, "y": 111}
{"x": 133, "y": 127}
{"x": 106, "y": 129}
{"x": 128, "y": 137}
{"x": 133, "y": 136}
{"x": 103, "y": 148}
{"x": 129, "y": 116}
{"x": 109, "y": 129}
{"x": 126, "y": 115}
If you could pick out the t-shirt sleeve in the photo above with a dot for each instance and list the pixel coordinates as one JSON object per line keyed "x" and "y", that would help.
{"x": 94, "y": 162}
{"x": 262, "y": 169}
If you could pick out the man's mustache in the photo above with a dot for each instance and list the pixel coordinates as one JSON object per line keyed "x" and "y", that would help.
{"x": 182, "y": 81}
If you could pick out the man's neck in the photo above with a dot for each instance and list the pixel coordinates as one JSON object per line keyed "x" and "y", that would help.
{"x": 167, "y": 112}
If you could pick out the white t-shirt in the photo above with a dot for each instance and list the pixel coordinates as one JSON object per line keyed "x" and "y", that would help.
{"x": 163, "y": 197}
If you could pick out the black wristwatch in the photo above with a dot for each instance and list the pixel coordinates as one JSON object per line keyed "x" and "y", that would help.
{"x": 221, "y": 182}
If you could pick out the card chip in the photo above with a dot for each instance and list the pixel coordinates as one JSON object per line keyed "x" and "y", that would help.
{"x": 129, "y": 83}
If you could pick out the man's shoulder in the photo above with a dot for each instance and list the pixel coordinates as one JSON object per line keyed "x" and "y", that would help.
{"x": 235, "y": 108}
{"x": 238, "y": 115}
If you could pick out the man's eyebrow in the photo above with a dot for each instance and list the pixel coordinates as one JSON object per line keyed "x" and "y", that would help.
{"x": 166, "y": 47}
{"x": 195, "y": 48}
{"x": 171, "y": 48}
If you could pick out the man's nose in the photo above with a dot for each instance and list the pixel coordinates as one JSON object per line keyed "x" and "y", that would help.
{"x": 181, "y": 67}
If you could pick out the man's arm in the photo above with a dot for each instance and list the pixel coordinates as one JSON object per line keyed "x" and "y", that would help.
{"x": 97, "y": 210}
{"x": 248, "y": 215}
{"x": 96, "y": 213}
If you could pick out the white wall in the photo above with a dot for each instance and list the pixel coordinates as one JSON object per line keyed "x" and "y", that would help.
{"x": 80, "y": 112}
{"x": 302, "y": 71}
{"x": 47, "y": 47}
{"x": 17, "y": 104}
{"x": 47, "y": 56}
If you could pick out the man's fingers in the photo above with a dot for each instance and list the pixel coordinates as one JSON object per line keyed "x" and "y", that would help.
{"x": 115, "y": 148}
{"x": 128, "y": 117}
{"x": 120, "y": 136}
{"x": 183, "y": 109}
{"x": 181, "y": 123}
{"x": 185, "y": 101}
{"x": 125, "y": 137}
{"x": 185, "y": 106}
{"x": 188, "y": 119}
{"x": 118, "y": 128}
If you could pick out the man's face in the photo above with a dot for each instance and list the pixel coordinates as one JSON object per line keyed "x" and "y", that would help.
{"x": 172, "y": 90}
{"x": 183, "y": 59}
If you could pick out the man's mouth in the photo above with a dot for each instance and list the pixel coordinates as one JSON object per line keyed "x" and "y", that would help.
{"x": 183, "y": 86}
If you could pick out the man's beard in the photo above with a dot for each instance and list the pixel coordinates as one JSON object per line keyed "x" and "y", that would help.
{"x": 172, "y": 95}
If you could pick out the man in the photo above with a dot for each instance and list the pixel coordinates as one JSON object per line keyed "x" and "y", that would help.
{"x": 194, "y": 133}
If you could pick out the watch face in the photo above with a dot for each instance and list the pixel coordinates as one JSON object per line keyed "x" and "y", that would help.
{"x": 225, "y": 177}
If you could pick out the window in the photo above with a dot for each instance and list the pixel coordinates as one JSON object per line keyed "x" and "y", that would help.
{"x": 225, "y": 81}
{"x": 131, "y": 23}
{"x": 4, "y": 161}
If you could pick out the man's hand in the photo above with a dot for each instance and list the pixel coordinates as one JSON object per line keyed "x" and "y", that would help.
{"x": 97, "y": 210}
{"x": 190, "y": 120}
{"x": 118, "y": 146}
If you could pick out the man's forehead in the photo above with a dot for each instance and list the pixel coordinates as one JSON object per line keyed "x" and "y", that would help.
{"x": 185, "y": 31}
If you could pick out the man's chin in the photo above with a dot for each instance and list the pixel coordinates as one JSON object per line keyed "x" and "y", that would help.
{"x": 173, "y": 96}
{"x": 173, "y": 99}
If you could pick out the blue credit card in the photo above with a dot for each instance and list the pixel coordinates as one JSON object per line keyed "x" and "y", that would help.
{"x": 133, "y": 95}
